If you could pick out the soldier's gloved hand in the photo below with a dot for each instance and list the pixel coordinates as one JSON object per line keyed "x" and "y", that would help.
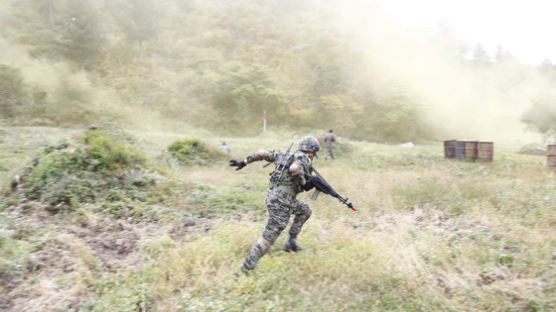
{"x": 310, "y": 183}
{"x": 237, "y": 163}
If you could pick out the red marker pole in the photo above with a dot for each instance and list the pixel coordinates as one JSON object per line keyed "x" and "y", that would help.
{"x": 264, "y": 122}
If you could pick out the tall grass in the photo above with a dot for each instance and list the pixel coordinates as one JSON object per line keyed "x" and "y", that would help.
{"x": 431, "y": 235}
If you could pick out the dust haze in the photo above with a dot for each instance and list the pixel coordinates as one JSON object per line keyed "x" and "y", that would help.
{"x": 483, "y": 102}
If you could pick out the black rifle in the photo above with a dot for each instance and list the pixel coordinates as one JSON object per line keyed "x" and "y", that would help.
{"x": 321, "y": 185}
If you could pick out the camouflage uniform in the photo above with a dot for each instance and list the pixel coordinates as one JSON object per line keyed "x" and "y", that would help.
{"x": 281, "y": 200}
{"x": 281, "y": 203}
{"x": 329, "y": 139}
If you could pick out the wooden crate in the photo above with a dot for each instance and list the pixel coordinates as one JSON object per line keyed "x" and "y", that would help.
{"x": 470, "y": 150}
{"x": 460, "y": 149}
{"x": 485, "y": 151}
{"x": 551, "y": 155}
{"x": 450, "y": 149}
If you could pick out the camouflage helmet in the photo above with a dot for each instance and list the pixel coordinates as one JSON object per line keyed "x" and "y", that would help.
{"x": 309, "y": 144}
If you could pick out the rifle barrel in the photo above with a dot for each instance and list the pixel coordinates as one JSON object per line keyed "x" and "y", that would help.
{"x": 334, "y": 193}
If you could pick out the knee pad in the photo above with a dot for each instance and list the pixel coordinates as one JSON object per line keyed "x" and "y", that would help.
{"x": 307, "y": 215}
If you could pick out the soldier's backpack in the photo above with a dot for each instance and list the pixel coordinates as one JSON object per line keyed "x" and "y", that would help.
{"x": 282, "y": 164}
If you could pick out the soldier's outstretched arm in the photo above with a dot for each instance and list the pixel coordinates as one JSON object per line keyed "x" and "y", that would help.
{"x": 258, "y": 156}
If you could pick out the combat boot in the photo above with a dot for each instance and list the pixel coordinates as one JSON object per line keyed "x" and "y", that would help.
{"x": 292, "y": 245}
{"x": 243, "y": 271}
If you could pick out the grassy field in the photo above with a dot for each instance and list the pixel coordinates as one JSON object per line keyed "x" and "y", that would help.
{"x": 431, "y": 234}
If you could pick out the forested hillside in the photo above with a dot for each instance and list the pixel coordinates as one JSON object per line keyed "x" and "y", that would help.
{"x": 220, "y": 64}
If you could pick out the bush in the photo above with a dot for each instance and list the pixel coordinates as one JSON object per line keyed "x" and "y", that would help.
{"x": 96, "y": 169}
{"x": 107, "y": 154}
{"x": 193, "y": 152}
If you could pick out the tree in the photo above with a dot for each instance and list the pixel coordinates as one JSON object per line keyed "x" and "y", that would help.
{"x": 139, "y": 20}
{"x": 241, "y": 93}
{"x": 480, "y": 56}
{"x": 503, "y": 55}
{"x": 81, "y": 37}
{"x": 541, "y": 116}
{"x": 12, "y": 91}
{"x": 340, "y": 112}
{"x": 65, "y": 29}
{"x": 35, "y": 26}
{"x": 393, "y": 114}
{"x": 548, "y": 70}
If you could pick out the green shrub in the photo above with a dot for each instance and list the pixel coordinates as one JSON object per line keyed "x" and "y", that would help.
{"x": 96, "y": 169}
{"x": 107, "y": 154}
{"x": 193, "y": 152}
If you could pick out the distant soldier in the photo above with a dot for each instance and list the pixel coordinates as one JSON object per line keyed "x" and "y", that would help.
{"x": 225, "y": 148}
{"x": 329, "y": 140}
{"x": 287, "y": 180}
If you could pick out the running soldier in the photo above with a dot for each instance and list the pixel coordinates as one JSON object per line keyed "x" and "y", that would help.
{"x": 287, "y": 180}
{"x": 329, "y": 140}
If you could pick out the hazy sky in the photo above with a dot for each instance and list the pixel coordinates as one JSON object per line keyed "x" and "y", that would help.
{"x": 525, "y": 28}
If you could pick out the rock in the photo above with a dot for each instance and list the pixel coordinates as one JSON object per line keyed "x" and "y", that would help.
{"x": 533, "y": 149}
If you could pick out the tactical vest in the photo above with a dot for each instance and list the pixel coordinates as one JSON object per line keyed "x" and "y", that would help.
{"x": 281, "y": 168}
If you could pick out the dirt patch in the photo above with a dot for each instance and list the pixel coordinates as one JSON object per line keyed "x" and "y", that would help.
{"x": 54, "y": 259}
{"x": 55, "y": 255}
{"x": 111, "y": 245}
{"x": 77, "y": 247}
{"x": 8, "y": 283}
{"x": 487, "y": 278}
{"x": 190, "y": 225}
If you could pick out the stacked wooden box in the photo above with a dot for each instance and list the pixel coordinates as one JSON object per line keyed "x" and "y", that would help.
{"x": 469, "y": 150}
{"x": 551, "y": 155}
